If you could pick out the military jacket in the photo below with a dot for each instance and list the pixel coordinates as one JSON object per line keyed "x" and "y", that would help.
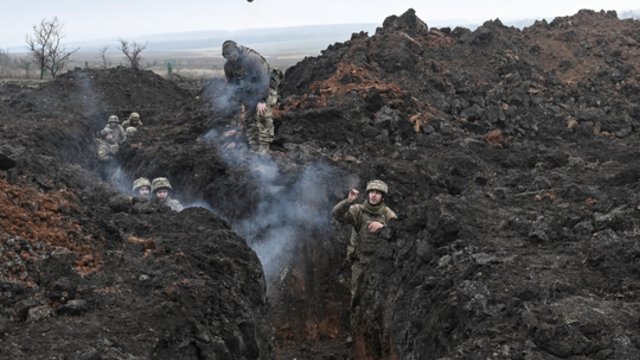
{"x": 364, "y": 242}
{"x": 250, "y": 75}
{"x": 105, "y": 151}
{"x": 127, "y": 123}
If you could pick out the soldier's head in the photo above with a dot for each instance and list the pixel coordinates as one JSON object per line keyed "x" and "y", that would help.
{"x": 160, "y": 187}
{"x": 131, "y": 131}
{"x": 230, "y": 50}
{"x": 142, "y": 187}
{"x": 376, "y": 190}
{"x": 113, "y": 121}
{"x": 134, "y": 118}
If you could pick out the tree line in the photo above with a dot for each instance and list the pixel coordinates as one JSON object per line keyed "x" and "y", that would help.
{"x": 49, "y": 56}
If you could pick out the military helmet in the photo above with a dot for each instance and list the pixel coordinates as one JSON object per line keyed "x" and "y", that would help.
{"x": 140, "y": 182}
{"x": 113, "y": 119}
{"x": 378, "y": 185}
{"x": 134, "y": 115}
{"x": 159, "y": 183}
{"x": 130, "y": 131}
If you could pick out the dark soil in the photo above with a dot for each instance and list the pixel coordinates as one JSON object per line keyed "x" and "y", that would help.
{"x": 513, "y": 160}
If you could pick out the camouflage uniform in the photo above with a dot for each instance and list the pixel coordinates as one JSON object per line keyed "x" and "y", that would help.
{"x": 163, "y": 183}
{"x": 253, "y": 82}
{"x": 113, "y": 126}
{"x": 106, "y": 149}
{"x": 362, "y": 243}
{"x": 133, "y": 121}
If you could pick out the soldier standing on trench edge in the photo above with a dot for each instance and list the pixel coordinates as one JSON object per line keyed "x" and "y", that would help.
{"x": 368, "y": 220}
{"x": 256, "y": 88}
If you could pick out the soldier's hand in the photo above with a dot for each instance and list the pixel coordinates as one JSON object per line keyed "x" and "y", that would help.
{"x": 375, "y": 226}
{"x": 353, "y": 195}
{"x": 261, "y": 108}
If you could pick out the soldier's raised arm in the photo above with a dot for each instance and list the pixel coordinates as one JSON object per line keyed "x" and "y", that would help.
{"x": 341, "y": 211}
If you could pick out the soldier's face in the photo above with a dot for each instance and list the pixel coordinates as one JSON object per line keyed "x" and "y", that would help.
{"x": 375, "y": 197}
{"x": 144, "y": 191}
{"x": 232, "y": 54}
{"x": 113, "y": 124}
{"x": 162, "y": 194}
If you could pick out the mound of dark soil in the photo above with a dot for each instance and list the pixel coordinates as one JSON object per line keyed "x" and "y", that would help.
{"x": 512, "y": 159}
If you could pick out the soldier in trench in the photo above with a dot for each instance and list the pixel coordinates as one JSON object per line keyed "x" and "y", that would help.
{"x": 368, "y": 220}
{"x": 160, "y": 187}
{"x": 255, "y": 87}
{"x": 141, "y": 188}
{"x": 133, "y": 121}
{"x": 106, "y": 149}
{"x": 113, "y": 126}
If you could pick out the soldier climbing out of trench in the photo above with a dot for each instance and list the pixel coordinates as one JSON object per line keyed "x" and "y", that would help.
{"x": 160, "y": 188}
{"x": 367, "y": 221}
{"x": 255, "y": 86}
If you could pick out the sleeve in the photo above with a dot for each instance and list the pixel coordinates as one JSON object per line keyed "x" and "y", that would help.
{"x": 227, "y": 72}
{"x": 103, "y": 152}
{"x": 257, "y": 71}
{"x": 344, "y": 212}
{"x": 123, "y": 134}
{"x": 390, "y": 215}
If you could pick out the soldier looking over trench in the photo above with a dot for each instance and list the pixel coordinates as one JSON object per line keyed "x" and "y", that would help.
{"x": 160, "y": 187}
{"x": 367, "y": 221}
{"x": 141, "y": 188}
{"x": 255, "y": 86}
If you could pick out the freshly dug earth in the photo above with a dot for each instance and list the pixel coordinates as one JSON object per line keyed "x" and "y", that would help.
{"x": 513, "y": 160}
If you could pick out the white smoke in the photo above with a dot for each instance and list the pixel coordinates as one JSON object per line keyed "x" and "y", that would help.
{"x": 288, "y": 209}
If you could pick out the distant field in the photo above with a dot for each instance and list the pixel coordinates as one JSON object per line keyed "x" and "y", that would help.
{"x": 197, "y": 64}
{"x": 197, "y": 54}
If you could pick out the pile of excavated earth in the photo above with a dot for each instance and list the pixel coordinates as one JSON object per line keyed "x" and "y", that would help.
{"x": 513, "y": 161}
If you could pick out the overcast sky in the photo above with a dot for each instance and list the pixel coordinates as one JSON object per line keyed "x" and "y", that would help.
{"x": 114, "y": 19}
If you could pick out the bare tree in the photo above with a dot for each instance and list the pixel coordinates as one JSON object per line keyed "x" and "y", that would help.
{"x": 132, "y": 53}
{"x": 103, "y": 56}
{"x": 46, "y": 47}
{"x": 25, "y": 64}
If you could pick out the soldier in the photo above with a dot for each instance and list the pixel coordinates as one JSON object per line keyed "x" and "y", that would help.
{"x": 113, "y": 126}
{"x": 107, "y": 148}
{"x": 133, "y": 121}
{"x": 130, "y": 132}
{"x": 367, "y": 221}
{"x": 142, "y": 188}
{"x": 255, "y": 85}
{"x": 160, "y": 187}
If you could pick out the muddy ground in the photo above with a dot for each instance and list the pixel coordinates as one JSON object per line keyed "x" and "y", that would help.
{"x": 513, "y": 160}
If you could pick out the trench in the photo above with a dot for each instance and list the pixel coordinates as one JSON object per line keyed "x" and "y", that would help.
{"x": 281, "y": 207}
{"x": 282, "y": 210}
